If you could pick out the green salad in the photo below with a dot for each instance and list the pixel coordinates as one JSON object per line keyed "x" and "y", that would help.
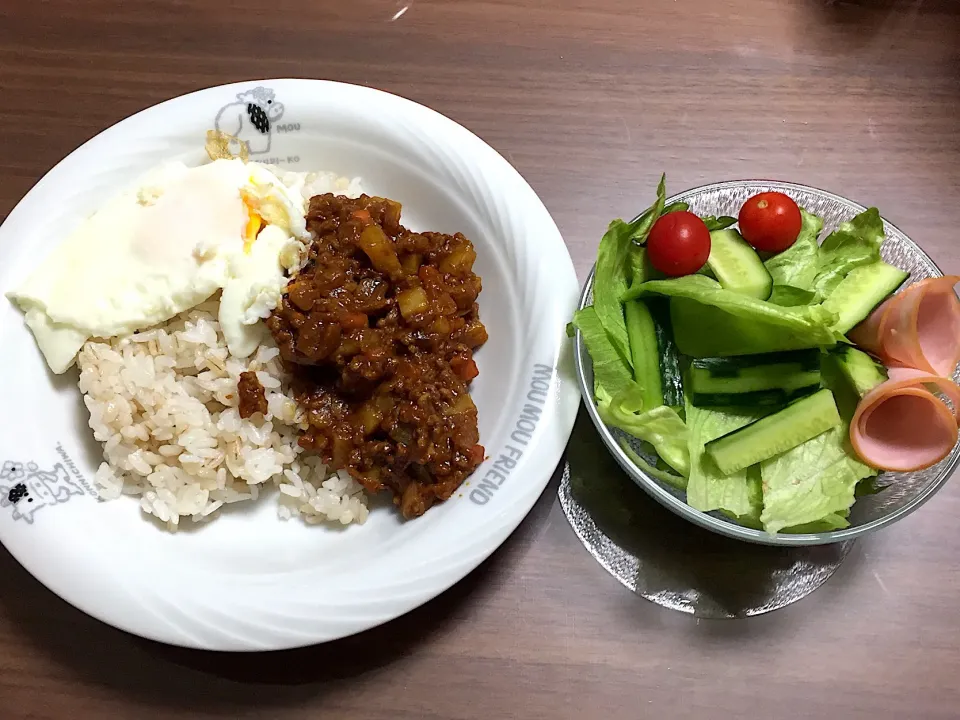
{"x": 724, "y": 350}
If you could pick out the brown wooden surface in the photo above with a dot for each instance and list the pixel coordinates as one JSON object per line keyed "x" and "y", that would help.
{"x": 590, "y": 100}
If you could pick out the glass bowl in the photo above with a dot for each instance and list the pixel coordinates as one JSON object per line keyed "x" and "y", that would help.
{"x": 901, "y": 493}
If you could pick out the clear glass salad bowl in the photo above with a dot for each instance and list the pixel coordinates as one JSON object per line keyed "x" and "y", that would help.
{"x": 900, "y": 493}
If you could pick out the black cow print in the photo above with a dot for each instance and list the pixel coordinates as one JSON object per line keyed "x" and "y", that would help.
{"x": 259, "y": 118}
{"x": 17, "y": 493}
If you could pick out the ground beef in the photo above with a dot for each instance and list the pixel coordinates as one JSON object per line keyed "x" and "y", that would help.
{"x": 253, "y": 399}
{"x": 379, "y": 330}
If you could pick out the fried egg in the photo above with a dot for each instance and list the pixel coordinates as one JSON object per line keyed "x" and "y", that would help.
{"x": 164, "y": 246}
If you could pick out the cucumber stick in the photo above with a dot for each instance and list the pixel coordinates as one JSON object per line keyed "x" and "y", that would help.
{"x": 642, "y": 334}
{"x": 737, "y": 266}
{"x": 859, "y": 369}
{"x": 800, "y": 421}
{"x": 769, "y": 379}
{"x": 671, "y": 377}
{"x": 861, "y": 291}
{"x": 733, "y": 366}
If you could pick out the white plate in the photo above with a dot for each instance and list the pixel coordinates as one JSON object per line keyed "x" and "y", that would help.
{"x": 250, "y": 581}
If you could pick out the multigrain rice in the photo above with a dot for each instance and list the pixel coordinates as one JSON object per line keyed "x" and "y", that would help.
{"x": 164, "y": 403}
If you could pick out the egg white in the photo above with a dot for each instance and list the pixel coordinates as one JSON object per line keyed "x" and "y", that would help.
{"x": 164, "y": 246}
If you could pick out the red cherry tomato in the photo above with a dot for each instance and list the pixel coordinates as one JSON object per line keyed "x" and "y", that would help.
{"x": 678, "y": 244}
{"x": 770, "y": 221}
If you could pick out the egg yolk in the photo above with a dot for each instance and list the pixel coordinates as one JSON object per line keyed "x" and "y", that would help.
{"x": 254, "y": 226}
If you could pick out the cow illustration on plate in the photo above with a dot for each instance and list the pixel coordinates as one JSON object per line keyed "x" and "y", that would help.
{"x": 250, "y": 118}
{"x": 26, "y": 488}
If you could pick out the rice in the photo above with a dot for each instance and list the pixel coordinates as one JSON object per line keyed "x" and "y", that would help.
{"x": 164, "y": 403}
{"x": 318, "y": 183}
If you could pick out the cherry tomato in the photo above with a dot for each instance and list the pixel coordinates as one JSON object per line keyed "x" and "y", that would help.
{"x": 770, "y": 221}
{"x": 678, "y": 244}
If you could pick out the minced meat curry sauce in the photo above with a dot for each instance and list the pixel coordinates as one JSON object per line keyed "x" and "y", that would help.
{"x": 379, "y": 330}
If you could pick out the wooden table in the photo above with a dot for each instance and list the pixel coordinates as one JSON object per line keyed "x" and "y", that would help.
{"x": 590, "y": 100}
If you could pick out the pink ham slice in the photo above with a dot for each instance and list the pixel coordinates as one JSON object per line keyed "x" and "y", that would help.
{"x": 917, "y": 328}
{"x": 901, "y": 426}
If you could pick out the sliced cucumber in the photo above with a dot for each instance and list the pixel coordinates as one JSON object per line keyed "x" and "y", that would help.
{"x": 756, "y": 398}
{"x": 737, "y": 266}
{"x": 767, "y": 380}
{"x": 859, "y": 369}
{"x": 861, "y": 291}
{"x": 733, "y": 366}
{"x": 642, "y": 336}
{"x": 775, "y": 434}
{"x": 671, "y": 376}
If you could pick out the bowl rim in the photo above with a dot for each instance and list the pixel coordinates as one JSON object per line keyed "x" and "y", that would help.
{"x": 707, "y": 521}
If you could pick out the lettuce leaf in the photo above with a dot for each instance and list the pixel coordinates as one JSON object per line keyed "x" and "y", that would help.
{"x": 662, "y": 427}
{"x": 672, "y": 207}
{"x": 790, "y": 296}
{"x": 620, "y": 398}
{"x": 640, "y": 228}
{"x": 813, "y": 483}
{"x": 718, "y": 223}
{"x": 677, "y": 481}
{"x": 611, "y": 375}
{"x": 705, "y": 331}
{"x": 739, "y": 494}
{"x": 610, "y": 274}
{"x": 808, "y": 323}
{"x": 640, "y": 267}
{"x": 754, "y": 500}
{"x": 797, "y": 266}
{"x": 835, "y": 521}
{"x": 855, "y": 243}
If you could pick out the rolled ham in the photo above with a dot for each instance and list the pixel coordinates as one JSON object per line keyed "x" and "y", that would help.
{"x": 917, "y": 328}
{"x": 902, "y": 426}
